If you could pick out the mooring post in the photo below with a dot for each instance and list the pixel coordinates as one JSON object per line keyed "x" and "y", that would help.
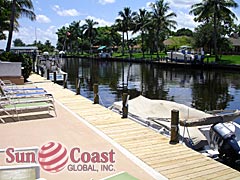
{"x": 64, "y": 80}
{"x": 174, "y": 127}
{"x": 48, "y": 74}
{"x": 125, "y": 98}
{"x": 96, "y": 96}
{"x": 55, "y": 76}
{"x": 77, "y": 86}
{"x": 37, "y": 69}
{"x": 42, "y": 71}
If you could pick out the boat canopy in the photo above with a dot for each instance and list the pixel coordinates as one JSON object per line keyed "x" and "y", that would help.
{"x": 159, "y": 111}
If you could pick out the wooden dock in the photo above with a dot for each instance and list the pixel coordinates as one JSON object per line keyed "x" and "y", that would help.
{"x": 172, "y": 161}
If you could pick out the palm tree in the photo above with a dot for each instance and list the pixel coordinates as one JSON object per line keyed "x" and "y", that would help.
{"x": 4, "y": 17}
{"x": 74, "y": 29}
{"x": 161, "y": 20}
{"x": 118, "y": 26}
{"x": 19, "y": 8}
{"x": 127, "y": 21}
{"x": 141, "y": 20}
{"x": 62, "y": 35}
{"x": 216, "y": 12}
{"x": 90, "y": 31}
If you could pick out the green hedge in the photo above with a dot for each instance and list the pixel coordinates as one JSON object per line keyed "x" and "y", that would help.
{"x": 25, "y": 59}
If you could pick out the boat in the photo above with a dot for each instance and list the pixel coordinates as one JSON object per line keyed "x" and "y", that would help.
{"x": 215, "y": 135}
{"x": 179, "y": 56}
{"x": 52, "y": 64}
{"x": 184, "y": 54}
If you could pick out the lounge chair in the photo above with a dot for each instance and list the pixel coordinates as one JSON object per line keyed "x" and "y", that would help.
{"x": 16, "y": 106}
{"x": 11, "y": 88}
{"x": 24, "y": 93}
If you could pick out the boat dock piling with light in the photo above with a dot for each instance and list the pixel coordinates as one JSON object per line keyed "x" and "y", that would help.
{"x": 174, "y": 161}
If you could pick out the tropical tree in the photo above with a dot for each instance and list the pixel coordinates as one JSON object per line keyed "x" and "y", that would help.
{"x": 90, "y": 31}
{"x": 19, "y": 8}
{"x": 48, "y": 46}
{"x": 162, "y": 20}
{"x": 184, "y": 32}
{"x": 141, "y": 21}
{"x": 118, "y": 26}
{"x": 115, "y": 36}
{"x": 151, "y": 39}
{"x": 202, "y": 37}
{"x": 217, "y": 12}
{"x": 4, "y": 20}
{"x": 75, "y": 32}
{"x": 126, "y": 18}
{"x": 18, "y": 42}
{"x": 107, "y": 36}
{"x": 62, "y": 38}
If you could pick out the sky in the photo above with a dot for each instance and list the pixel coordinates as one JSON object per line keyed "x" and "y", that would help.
{"x": 54, "y": 14}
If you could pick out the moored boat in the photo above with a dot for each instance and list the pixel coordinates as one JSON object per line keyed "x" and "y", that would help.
{"x": 51, "y": 64}
{"x": 215, "y": 135}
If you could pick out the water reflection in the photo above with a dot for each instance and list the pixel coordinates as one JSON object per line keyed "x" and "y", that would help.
{"x": 204, "y": 90}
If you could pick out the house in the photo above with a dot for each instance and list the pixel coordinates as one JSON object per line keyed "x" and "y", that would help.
{"x": 235, "y": 43}
{"x": 25, "y": 49}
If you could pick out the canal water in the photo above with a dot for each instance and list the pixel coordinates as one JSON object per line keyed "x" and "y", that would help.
{"x": 201, "y": 89}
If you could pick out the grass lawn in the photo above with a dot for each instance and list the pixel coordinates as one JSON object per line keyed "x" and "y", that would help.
{"x": 138, "y": 55}
{"x": 226, "y": 59}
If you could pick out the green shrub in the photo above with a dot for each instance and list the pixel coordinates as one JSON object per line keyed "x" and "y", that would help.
{"x": 25, "y": 59}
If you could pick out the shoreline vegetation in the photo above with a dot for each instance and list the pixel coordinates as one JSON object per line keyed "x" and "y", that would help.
{"x": 225, "y": 59}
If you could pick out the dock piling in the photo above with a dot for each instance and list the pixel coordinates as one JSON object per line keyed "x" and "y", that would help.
{"x": 125, "y": 98}
{"x": 37, "y": 69}
{"x": 174, "y": 127}
{"x": 42, "y": 71}
{"x": 65, "y": 81}
{"x": 48, "y": 74}
{"x": 77, "y": 86}
{"x": 96, "y": 96}
{"x": 55, "y": 76}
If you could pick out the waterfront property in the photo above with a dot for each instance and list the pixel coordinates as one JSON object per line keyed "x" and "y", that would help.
{"x": 172, "y": 161}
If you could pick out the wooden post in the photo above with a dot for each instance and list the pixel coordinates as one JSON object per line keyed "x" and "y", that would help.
{"x": 55, "y": 76}
{"x": 174, "y": 127}
{"x": 125, "y": 105}
{"x": 96, "y": 96}
{"x": 37, "y": 69}
{"x": 65, "y": 81}
{"x": 77, "y": 86}
{"x": 48, "y": 74}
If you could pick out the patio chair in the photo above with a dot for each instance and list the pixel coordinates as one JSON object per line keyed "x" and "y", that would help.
{"x": 12, "y": 88}
{"x": 33, "y": 93}
{"x": 12, "y": 108}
